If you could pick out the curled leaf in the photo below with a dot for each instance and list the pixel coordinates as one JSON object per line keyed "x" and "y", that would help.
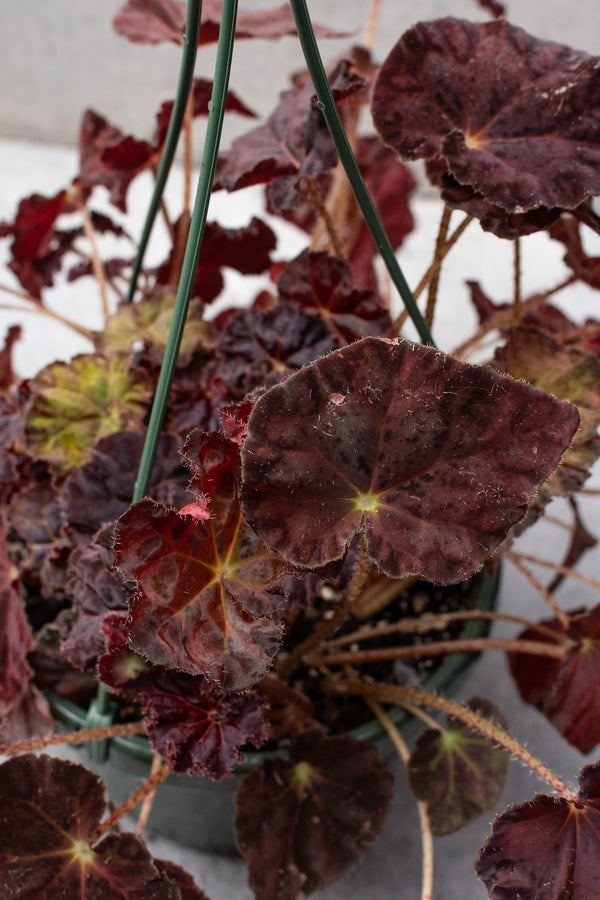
{"x": 522, "y": 132}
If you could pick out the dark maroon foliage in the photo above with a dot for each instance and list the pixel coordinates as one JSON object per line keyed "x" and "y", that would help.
{"x": 523, "y": 133}
{"x": 155, "y": 21}
{"x": 293, "y": 144}
{"x": 194, "y": 726}
{"x": 304, "y": 822}
{"x": 312, "y": 465}
{"x": 331, "y": 452}
{"x": 547, "y": 848}
{"x": 51, "y": 809}
{"x": 566, "y": 691}
{"x": 458, "y": 772}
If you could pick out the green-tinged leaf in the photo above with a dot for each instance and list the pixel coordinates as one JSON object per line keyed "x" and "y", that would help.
{"x": 77, "y": 403}
{"x": 458, "y": 772}
{"x": 144, "y": 327}
{"x": 303, "y": 823}
{"x": 432, "y": 459}
{"x": 543, "y": 361}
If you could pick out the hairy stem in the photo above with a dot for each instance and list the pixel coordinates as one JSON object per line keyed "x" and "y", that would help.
{"x": 438, "y": 621}
{"x": 440, "y": 648}
{"x": 148, "y": 788}
{"x": 74, "y": 737}
{"x": 159, "y": 766}
{"x": 398, "y": 694}
{"x": 517, "y": 281}
{"x": 438, "y": 257}
{"x": 456, "y": 234}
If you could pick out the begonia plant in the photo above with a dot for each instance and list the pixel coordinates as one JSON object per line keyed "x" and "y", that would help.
{"x": 318, "y": 500}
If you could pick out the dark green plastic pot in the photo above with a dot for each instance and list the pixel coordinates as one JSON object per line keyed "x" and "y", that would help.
{"x": 198, "y": 812}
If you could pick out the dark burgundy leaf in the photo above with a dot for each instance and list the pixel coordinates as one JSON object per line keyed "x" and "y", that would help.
{"x": 523, "y": 132}
{"x": 15, "y": 634}
{"x": 587, "y": 268}
{"x": 110, "y": 158}
{"x": 496, "y": 9}
{"x": 581, "y": 541}
{"x": 151, "y": 21}
{"x": 29, "y": 717}
{"x": 50, "y": 811}
{"x": 101, "y": 490}
{"x": 181, "y": 878}
{"x": 434, "y": 460}
{"x": 38, "y": 246}
{"x": 567, "y": 691}
{"x": 155, "y": 21}
{"x": 196, "y": 727}
{"x": 247, "y": 250}
{"x": 294, "y": 143}
{"x": 206, "y": 602}
{"x": 260, "y": 347}
{"x": 303, "y": 823}
{"x": 215, "y": 462}
{"x": 547, "y": 848}
{"x": 235, "y": 420}
{"x": 201, "y": 95}
{"x": 119, "y": 665}
{"x": 458, "y": 772}
{"x": 95, "y": 588}
{"x": 493, "y": 218}
{"x": 34, "y": 515}
{"x": 324, "y": 285}
{"x": 52, "y": 670}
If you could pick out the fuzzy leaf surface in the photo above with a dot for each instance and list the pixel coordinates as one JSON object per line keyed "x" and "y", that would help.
{"x": 203, "y": 603}
{"x": 196, "y": 727}
{"x": 523, "y": 133}
{"x": 77, "y": 403}
{"x": 547, "y": 848}
{"x": 566, "y": 691}
{"x": 303, "y": 823}
{"x": 459, "y": 772}
{"x": 432, "y": 458}
{"x": 50, "y": 811}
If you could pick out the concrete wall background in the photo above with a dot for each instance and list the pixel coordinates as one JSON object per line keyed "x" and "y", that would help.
{"x": 59, "y": 57}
